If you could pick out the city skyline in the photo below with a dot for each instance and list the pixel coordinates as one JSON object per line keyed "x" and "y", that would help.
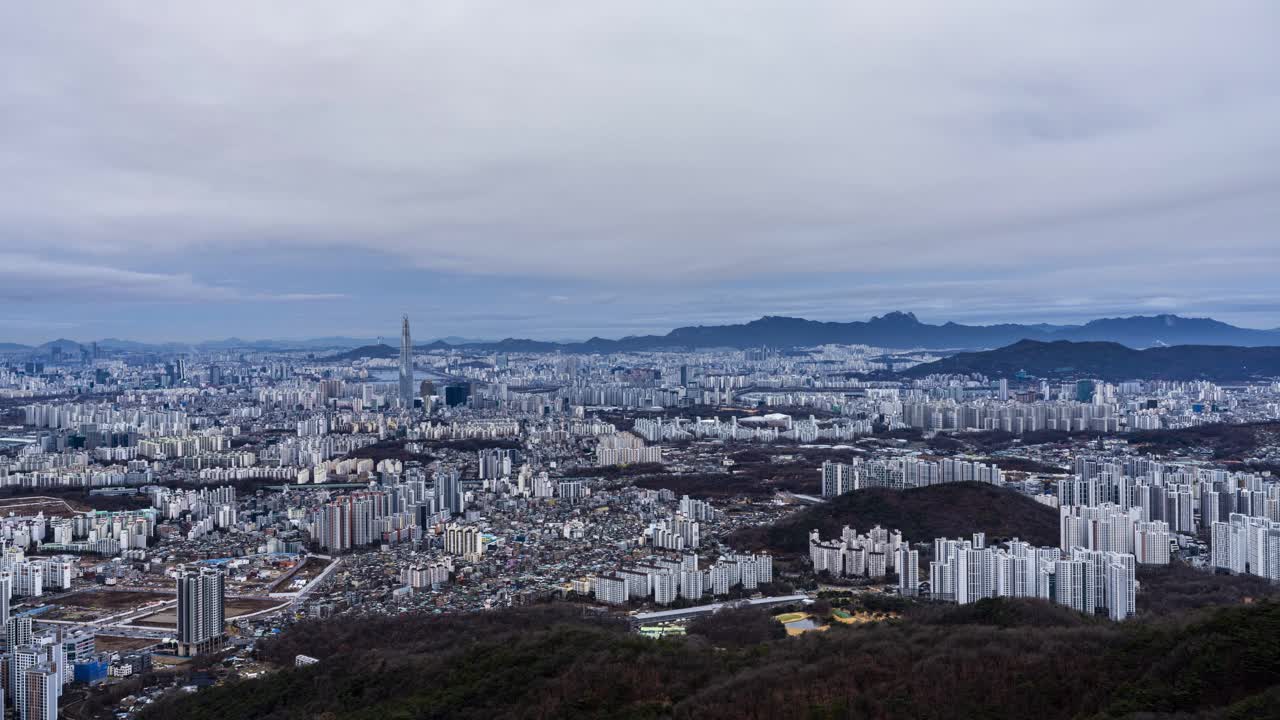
{"x": 612, "y": 170}
{"x": 755, "y": 359}
{"x": 271, "y": 507}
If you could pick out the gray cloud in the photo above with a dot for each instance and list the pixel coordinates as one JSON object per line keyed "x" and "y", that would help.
{"x": 25, "y": 278}
{"x": 1075, "y": 154}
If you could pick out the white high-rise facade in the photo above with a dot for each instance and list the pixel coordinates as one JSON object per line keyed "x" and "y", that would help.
{"x": 908, "y": 564}
{"x": 1089, "y": 581}
{"x": 1246, "y": 544}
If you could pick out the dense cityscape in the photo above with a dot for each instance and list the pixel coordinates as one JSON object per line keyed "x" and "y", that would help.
{"x": 473, "y": 360}
{"x": 168, "y": 510}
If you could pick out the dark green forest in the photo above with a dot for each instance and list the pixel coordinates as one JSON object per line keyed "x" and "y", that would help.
{"x": 922, "y": 514}
{"x": 997, "y": 659}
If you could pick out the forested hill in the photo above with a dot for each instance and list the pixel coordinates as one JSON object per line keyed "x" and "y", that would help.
{"x": 922, "y": 514}
{"x": 997, "y": 659}
{"x": 1111, "y": 361}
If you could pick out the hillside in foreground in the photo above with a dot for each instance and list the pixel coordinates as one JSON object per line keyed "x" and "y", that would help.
{"x": 998, "y": 659}
{"x": 922, "y": 514}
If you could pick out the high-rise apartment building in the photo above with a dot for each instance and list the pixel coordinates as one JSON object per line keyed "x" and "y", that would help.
{"x": 611, "y": 589}
{"x": 449, "y": 493}
{"x": 43, "y": 688}
{"x": 463, "y": 540}
{"x": 35, "y": 678}
{"x": 908, "y": 564}
{"x": 1151, "y": 542}
{"x": 1245, "y": 544}
{"x": 6, "y": 593}
{"x": 201, "y": 594}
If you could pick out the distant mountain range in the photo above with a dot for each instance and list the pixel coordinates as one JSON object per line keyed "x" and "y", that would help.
{"x": 894, "y": 330}
{"x": 319, "y": 345}
{"x": 904, "y": 330}
{"x": 1111, "y": 361}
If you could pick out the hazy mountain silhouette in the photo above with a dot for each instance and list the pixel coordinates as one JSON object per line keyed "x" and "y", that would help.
{"x": 901, "y": 330}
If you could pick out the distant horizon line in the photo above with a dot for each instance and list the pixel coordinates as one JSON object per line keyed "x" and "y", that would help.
{"x": 462, "y": 340}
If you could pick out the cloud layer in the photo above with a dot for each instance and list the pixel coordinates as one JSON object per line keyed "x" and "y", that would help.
{"x": 958, "y": 156}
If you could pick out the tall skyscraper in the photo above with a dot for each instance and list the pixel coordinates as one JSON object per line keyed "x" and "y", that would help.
{"x": 406, "y": 365}
{"x": 200, "y": 610}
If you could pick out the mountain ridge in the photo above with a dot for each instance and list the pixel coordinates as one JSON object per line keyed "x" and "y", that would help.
{"x": 905, "y": 330}
{"x": 897, "y": 329}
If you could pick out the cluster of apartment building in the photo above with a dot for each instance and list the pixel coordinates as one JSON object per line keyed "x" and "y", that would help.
{"x": 873, "y": 555}
{"x": 664, "y": 580}
{"x": 771, "y": 427}
{"x": 1246, "y": 545}
{"x": 900, "y": 473}
{"x": 103, "y": 533}
{"x": 427, "y": 575}
{"x": 1088, "y": 581}
{"x": 1183, "y": 496}
{"x": 35, "y": 665}
{"x": 625, "y": 449}
{"x": 683, "y": 529}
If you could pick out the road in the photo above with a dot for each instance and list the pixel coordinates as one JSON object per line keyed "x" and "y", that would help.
{"x": 118, "y": 624}
{"x": 30, "y": 499}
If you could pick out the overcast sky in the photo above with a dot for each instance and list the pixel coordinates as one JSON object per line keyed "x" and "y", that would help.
{"x": 562, "y": 169}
